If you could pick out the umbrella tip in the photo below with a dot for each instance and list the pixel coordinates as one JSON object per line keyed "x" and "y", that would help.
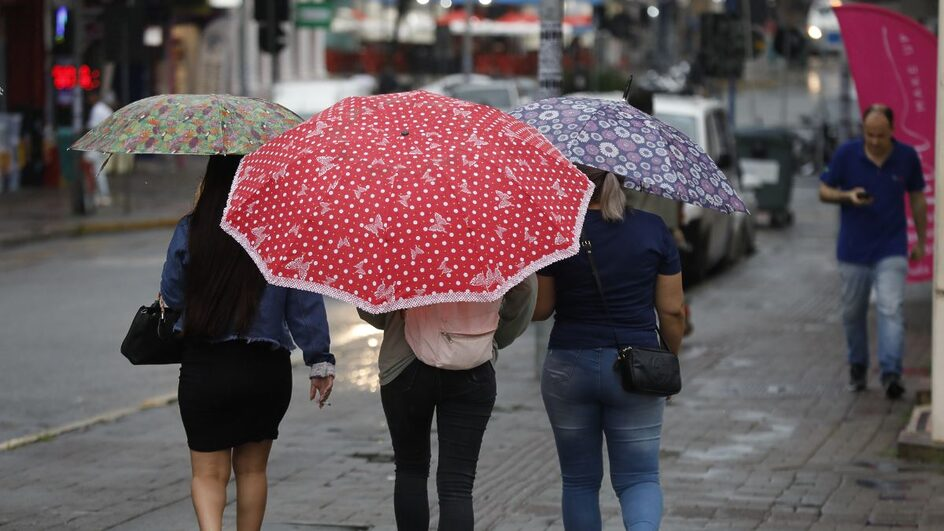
{"x": 629, "y": 84}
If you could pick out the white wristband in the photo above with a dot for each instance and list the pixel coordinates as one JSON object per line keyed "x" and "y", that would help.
{"x": 321, "y": 370}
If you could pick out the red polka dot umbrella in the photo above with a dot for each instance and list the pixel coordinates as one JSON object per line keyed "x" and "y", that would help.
{"x": 408, "y": 199}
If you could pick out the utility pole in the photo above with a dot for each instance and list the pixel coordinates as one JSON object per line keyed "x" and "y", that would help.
{"x": 273, "y": 23}
{"x": 81, "y": 201}
{"x": 550, "y": 54}
{"x": 937, "y": 312}
{"x": 467, "y": 39}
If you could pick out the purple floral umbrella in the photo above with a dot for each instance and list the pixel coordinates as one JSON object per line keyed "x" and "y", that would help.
{"x": 652, "y": 156}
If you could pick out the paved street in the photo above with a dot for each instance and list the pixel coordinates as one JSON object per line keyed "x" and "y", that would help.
{"x": 762, "y": 437}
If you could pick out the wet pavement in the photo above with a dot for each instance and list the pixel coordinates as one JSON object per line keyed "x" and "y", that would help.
{"x": 763, "y": 436}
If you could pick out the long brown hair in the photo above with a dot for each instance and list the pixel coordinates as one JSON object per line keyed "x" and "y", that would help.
{"x": 223, "y": 284}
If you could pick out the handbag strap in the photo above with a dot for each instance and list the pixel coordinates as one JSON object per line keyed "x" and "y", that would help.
{"x": 588, "y": 247}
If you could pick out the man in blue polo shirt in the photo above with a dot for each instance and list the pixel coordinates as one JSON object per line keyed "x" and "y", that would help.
{"x": 869, "y": 178}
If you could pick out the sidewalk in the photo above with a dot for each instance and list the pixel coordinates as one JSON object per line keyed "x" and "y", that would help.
{"x": 155, "y": 194}
{"x": 763, "y": 436}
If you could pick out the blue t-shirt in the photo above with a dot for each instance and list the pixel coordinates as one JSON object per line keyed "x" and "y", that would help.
{"x": 629, "y": 256}
{"x": 870, "y": 233}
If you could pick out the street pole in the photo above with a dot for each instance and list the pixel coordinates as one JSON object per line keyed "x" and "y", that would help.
{"x": 241, "y": 40}
{"x": 467, "y": 39}
{"x": 937, "y": 312}
{"x": 272, "y": 22}
{"x": 845, "y": 100}
{"x": 80, "y": 203}
{"x": 550, "y": 54}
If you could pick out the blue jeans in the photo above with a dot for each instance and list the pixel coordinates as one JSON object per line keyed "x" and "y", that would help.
{"x": 888, "y": 277}
{"x": 584, "y": 403}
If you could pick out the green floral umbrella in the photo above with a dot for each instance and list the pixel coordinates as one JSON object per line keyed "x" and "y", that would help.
{"x": 190, "y": 124}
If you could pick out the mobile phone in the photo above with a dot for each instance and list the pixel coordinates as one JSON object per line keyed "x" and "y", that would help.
{"x": 864, "y": 196}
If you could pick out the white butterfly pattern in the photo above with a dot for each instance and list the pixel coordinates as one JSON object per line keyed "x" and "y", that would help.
{"x": 446, "y": 270}
{"x": 475, "y": 140}
{"x": 557, "y": 188}
{"x": 488, "y": 278}
{"x": 359, "y": 267}
{"x": 327, "y": 164}
{"x": 405, "y": 198}
{"x": 503, "y": 199}
{"x": 295, "y": 230}
{"x": 385, "y": 293}
{"x": 439, "y": 223}
{"x": 326, "y": 207}
{"x": 344, "y": 242}
{"x": 375, "y": 227}
{"x": 301, "y": 266}
{"x": 259, "y": 233}
{"x": 528, "y": 237}
{"x": 359, "y": 190}
{"x": 415, "y": 252}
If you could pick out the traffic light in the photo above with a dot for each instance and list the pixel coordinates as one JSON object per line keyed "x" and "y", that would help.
{"x": 270, "y": 45}
{"x": 723, "y": 47}
{"x": 279, "y": 8}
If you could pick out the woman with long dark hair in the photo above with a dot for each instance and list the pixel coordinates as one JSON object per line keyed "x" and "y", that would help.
{"x": 638, "y": 266}
{"x": 236, "y": 377}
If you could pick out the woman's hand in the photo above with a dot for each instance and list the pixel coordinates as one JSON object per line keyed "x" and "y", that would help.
{"x": 321, "y": 389}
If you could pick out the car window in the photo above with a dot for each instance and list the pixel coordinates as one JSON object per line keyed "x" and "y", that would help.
{"x": 715, "y": 142}
{"x": 685, "y": 124}
{"x": 498, "y": 97}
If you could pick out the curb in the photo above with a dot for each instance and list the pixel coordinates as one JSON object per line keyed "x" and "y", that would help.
{"x": 111, "y": 416}
{"x": 87, "y": 229}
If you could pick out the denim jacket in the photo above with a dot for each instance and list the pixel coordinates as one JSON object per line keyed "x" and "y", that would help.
{"x": 284, "y": 314}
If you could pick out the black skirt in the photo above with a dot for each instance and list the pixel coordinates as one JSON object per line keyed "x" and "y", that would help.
{"x": 232, "y": 393}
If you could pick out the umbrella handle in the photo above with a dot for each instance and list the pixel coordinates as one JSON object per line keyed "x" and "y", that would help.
{"x": 629, "y": 84}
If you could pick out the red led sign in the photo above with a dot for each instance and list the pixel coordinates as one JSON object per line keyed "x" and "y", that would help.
{"x": 64, "y": 77}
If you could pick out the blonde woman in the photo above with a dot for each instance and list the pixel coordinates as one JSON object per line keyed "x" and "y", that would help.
{"x": 639, "y": 269}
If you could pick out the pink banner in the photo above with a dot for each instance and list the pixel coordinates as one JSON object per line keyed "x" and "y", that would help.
{"x": 893, "y": 60}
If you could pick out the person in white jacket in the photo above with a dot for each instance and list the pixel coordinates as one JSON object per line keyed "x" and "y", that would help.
{"x": 101, "y": 109}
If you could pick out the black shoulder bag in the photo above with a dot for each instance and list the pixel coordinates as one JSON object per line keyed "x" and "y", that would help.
{"x": 645, "y": 370}
{"x": 150, "y": 339}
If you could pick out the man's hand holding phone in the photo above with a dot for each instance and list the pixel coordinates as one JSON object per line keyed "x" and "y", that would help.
{"x": 860, "y": 197}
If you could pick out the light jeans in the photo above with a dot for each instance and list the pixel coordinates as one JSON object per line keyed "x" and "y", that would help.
{"x": 585, "y": 402}
{"x": 96, "y": 160}
{"x": 888, "y": 277}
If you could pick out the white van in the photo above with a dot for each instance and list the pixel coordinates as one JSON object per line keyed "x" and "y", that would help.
{"x": 715, "y": 238}
{"x": 308, "y": 98}
{"x": 822, "y": 27}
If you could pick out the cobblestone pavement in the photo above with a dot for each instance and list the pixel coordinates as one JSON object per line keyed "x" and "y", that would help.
{"x": 764, "y": 436}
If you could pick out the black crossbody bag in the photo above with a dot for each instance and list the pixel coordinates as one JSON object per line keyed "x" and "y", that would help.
{"x": 644, "y": 370}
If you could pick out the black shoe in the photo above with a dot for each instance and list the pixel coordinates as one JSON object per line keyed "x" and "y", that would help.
{"x": 893, "y": 387}
{"x": 857, "y": 377}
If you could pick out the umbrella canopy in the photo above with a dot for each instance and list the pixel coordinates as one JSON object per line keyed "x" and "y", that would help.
{"x": 404, "y": 200}
{"x": 652, "y": 156}
{"x": 190, "y": 124}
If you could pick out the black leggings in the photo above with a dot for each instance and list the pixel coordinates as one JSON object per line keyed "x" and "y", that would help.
{"x": 462, "y": 401}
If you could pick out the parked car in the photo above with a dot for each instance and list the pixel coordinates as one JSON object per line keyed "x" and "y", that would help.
{"x": 715, "y": 238}
{"x": 307, "y": 98}
{"x": 822, "y": 27}
{"x": 504, "y": 94}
